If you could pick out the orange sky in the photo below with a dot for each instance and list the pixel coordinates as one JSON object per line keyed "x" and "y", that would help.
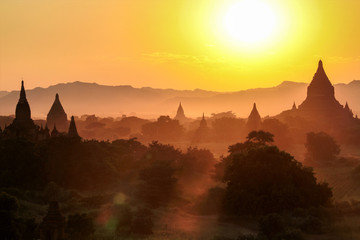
{"x": 172, "y": 44}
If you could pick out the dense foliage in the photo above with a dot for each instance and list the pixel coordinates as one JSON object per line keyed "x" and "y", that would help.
{"x": 321, "y": 148}
{"x": 261, "y": 179}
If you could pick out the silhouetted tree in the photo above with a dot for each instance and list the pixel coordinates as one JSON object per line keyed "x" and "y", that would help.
{"x": 271, "y": 225}
{"x": 124, "y": 217}
{"x": 158, "y": 182}
{"x": 158, "y": 185}
{"x": 228, "y": 114}
{"x": 197, "y": 161}
{"x": 8, "y": 224}
{"x": 21, "y": 165}
{"x": 164, "y": 129}
{"x": 261, "y": 179}
{"x": 211, "y": 201}
{"x": 279, "y": 129}
{"x": 321, "y": 148}
{"x": 79, "y": 226}
{"x": 260, "y": 137}
{"x": 254, "y": 139}
{"x": 142, "y": 223}
{"x": 228, "y": 128}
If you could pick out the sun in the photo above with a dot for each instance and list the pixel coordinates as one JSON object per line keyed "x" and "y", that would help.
{"x": 250, "y": 22}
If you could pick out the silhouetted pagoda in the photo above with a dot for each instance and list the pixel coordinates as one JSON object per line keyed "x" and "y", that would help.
{"x": 320, "y": 105}
{"x": 22, "y": 126}
{"x": 72, "y": 133}
{"x": 180, "y": 115}
{"x": 254, "y": 120}
{"x": 202, "y": 133}
{"x": 320, "y": 100}
{"x": 53, "y": 224}
{"x": 57, "y": 115}
{"x": 320, "y": 111}
{"x": 203, "y": 123}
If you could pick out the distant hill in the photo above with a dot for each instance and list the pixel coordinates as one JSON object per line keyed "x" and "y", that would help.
{"x": 3, "y": 93}
{"x": 80, "y": 98}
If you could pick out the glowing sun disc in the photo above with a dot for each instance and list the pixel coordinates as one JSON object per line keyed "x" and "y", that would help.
{"x": 250, "y": 21}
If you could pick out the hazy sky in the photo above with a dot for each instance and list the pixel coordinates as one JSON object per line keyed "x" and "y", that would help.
{"x": 178, "y": 44}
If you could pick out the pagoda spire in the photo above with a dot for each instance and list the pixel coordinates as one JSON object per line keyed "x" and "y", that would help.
{"x": 203, "y": 123}
{"x": 254, "y": 119}
{"x": 320, "y": 85}
{"x": 22, "y": 112}
{"x": 180, "y": 115}
{"x": 72, "y": 133}
{"x": 22, "y": 91}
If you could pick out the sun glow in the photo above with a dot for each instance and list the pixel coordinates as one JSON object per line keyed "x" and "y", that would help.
{"x": 251, "y": 22}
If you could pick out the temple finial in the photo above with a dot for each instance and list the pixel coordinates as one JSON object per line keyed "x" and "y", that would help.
{"x": 22, "y": 91}
{"x": 320, "y": 65}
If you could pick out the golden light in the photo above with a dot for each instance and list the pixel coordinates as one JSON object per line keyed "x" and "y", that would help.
{"x": 250, "y": 22}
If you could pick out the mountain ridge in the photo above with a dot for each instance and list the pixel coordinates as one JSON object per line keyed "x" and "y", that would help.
{"x": 105, "y": 100}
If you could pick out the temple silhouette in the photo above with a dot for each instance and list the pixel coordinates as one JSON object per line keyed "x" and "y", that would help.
{"x": 24, "y": 127}
{"x": 180, "y": 115}
{"x": 320, "y": 106}
{"x": 254, "y": 120}
{"x": 57, "y": 115}
{"x": 202, "y": 134}
{"x": 72, "y": 133}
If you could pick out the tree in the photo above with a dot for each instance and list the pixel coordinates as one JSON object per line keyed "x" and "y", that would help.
{"x": 164, "y": 129}
{"x": 254, "y": 139}
{"x": 279, "y": 129}
{"x": 260, "y": 137}
{"x": 80, "y": 227}
{"x": 158, "y": 185}
{"x": 228, "y": 128}
{"x": 261, "y": 179}
{"x": 124, "y": 217}
{"x": 321, "y": 148}
{"x": 8, "y": 225}
{"x": 142, "y": 223}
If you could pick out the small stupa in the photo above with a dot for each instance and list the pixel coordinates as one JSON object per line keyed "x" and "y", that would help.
{"x": 254, "y": 120}
{"x": 180, "y": 115}
{"x": 73, "y": 133}
{"x": 57, "y": 115}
